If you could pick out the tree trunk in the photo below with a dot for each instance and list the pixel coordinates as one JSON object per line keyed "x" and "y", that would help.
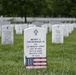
{"x": 25, "y": 18}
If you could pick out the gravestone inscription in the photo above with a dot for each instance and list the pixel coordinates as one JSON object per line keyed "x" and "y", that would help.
{"x": 35, "y": 48}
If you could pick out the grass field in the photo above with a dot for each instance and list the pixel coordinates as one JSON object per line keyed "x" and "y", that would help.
{"x": 61, "y": 58}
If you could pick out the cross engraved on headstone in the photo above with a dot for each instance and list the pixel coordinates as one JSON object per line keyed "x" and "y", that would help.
{"x": 7, "y": 27}
{"x": 35, "y": 32}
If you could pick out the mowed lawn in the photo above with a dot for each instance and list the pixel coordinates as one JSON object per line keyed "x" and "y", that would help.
{"x": 61, "y": 58}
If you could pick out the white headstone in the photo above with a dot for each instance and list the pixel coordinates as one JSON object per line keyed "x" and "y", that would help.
{"x": 24, "y": 26}
{"x": 35, "y": 47}
{"x": 7, "y": 34}
{"x": 4, "y": 23}
{"x": 70, "y": 27}
{"x": 13, "y": 25}
{"x": 57, "y": 34}
{"x": 38, "y": 24}
{"x": 45, "y": 26}
{"x": 65, "y": 30}
{"x": 0, "y": 29}
{"x": 18, "y": 28}
{"x": 31, "y": 25}
{"x": 50, "y": 27}
{"x": 75, "y": 25}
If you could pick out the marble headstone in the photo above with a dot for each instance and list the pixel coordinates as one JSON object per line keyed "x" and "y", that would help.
{"x": 7, "y": 34}
{"x": 65, "y": 30}
{"x": 31, "y": 25}
{"x": 18, "y": 28}
{"x": 24, "y": 26}
{"x": 5, "y": 23}
{"x": 75, "y": 25}
{"x": 45, "y": 26}
{"x": 57, "y": 34}
{"x": 38, "y": 24}
{"x": 50, "y": 27}
{"x": 0, "y": 29}
{"x": 35, "y": 48}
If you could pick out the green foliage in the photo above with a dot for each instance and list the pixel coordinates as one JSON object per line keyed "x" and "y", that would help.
{"x": 38, "y": 8}
{"x": 24, "y": 8}
{"x": 61, "y": 58}
{"x": 0, "y": 7}
{"x": 64, "y": 8}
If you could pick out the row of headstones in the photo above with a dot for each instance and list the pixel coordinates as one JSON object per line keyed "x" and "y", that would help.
{"x": 59, "y": 31}
{"x": 34, "y": 43}
{"x": 20, "y": 27}
{"x": 7, "y": 32}
{"x": 66, "y": 27}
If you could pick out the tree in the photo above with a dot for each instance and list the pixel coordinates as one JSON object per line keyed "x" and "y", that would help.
{"x": 40, "y": 8}
{"x": 0, "y": 7}
{"x": 64, "y": 8}
{"x": 61, "y": 7}
{"x": 24, "y": 8}
{"x": 73, "y": 8}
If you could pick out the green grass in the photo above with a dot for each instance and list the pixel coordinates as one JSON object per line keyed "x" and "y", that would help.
{"x": 61, "y": 58}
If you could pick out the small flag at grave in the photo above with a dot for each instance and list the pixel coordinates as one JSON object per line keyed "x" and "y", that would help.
{"x": 36, "y": 62}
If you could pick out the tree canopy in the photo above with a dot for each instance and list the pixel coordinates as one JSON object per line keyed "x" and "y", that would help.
{"x": 64, "y": 8}
{"x": 41, "y": 8}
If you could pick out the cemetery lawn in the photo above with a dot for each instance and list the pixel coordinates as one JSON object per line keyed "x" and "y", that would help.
{"x": 61, "y": 58}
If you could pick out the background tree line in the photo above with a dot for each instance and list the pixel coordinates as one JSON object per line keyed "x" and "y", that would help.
{"x": 38, "y": 8}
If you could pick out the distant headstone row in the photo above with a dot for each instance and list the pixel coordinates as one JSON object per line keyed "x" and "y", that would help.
{"x": 59, "y": 31}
